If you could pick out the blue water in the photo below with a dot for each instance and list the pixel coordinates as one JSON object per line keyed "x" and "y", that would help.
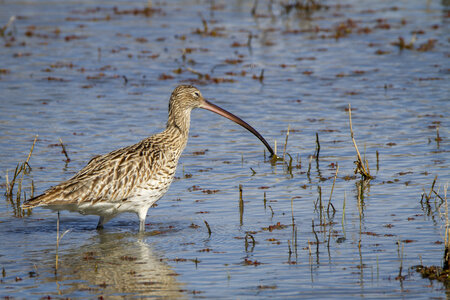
{"x": 79, "y": 71}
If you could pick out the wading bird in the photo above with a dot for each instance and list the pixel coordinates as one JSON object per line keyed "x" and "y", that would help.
{"x": 133, "y": 178}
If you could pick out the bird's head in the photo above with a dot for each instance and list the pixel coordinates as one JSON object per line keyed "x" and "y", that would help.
{"x": 187, "y": 97}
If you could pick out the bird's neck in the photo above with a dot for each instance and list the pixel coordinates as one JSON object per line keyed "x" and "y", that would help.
{"x": 179, "y": 119}
{"x": 177, "y": 127}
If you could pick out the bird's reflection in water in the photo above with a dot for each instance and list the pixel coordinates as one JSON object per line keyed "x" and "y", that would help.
{"x": 119, "y": 264}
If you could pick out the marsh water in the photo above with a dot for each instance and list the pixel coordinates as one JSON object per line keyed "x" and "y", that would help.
{"x": 98, "y": 76}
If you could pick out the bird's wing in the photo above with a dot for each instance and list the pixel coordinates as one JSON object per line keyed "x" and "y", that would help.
{"x": 110, "y": 177}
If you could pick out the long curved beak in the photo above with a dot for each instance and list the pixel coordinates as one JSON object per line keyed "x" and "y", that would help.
{"x": 214, "y": 108}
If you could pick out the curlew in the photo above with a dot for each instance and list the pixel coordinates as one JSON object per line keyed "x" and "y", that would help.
{"x": 133, "y": 178}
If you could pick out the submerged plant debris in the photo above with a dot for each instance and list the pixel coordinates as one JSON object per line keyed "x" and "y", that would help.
{"x": 364, "y": 201}
{"x": 433, "y": 273}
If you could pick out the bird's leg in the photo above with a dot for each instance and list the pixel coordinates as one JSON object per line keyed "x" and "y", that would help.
{"x": 142, "y": 225}
{"x": 101, "y": 221}
{"x": 142, "y": 214}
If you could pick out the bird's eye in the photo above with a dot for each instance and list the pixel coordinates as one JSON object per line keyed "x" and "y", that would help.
{"x": 196, "y": 94}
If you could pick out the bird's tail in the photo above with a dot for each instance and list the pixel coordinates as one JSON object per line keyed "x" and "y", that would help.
{"x": 33, "y": 202}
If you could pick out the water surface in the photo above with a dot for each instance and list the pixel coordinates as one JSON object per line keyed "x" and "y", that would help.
{"x": 99, "y": 75}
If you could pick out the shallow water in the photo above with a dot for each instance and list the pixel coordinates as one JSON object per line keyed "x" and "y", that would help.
{"x": 99, "y": 78}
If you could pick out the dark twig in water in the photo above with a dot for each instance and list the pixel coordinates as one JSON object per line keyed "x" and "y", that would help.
{"x": 265, "y": 201}
{"x": 328, "y": 241}
{"x": 400, "y": 255}
{"x": 438, "y": 138}
{"x": 289, "y": 166}
{"x": 249, "y": 42}
{"x": 292, "y": 211}
{"x": 31, "y": 152}
{"x": 319, "y": 190}
{"x": 289, "y": 250}
{"x": 343, "y": 213}
{"x": 309, "y": 166}
{"x": 205, "y": 26}
{"x": 295, "y": 243}
{"x": 261, "y": 76}
{"x": 64, "y": 151}
{"x": 378, "y": 161}
{"x": 255, "y": 5}
{"x": 317, "y": 241}
{"x": 316, "y": 153}
{"x": 248, "y": 235}
{"x": 207, "y": 226}
{"x": 437, "y": 195}
{"x": 271, "y": 210}
{"x": 432, "y": 187}
{"x": 10, "y": 184}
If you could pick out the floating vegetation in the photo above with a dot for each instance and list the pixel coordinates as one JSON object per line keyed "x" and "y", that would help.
{"x": 401, "y": 44}
{"x": 305, "y": 6}
{"x": 260, "y": 78}
{"x": 277, "y": 226}
{"x": 206, "y": 31}
{"x": 249, "y": 262}
{"x": 146, "y": 11}
{"x": 433, "y": 273}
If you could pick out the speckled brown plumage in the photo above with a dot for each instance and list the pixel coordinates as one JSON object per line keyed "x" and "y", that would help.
{"x": 133, "y": 178}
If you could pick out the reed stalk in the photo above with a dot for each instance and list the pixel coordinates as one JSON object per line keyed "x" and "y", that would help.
{"x": 361, "y": 165}
{"x": 446, "y": 265}
{"x": 241, "y": 205}
{"x": 285, "y": 143}
{"x": 332, "y": 188}
{"x": 316, "y": 154}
